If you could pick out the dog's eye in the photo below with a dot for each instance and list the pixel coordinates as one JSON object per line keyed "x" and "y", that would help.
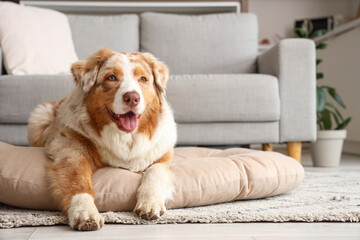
{"x": 143, "y": 79}
{"x": 112, "y": 78}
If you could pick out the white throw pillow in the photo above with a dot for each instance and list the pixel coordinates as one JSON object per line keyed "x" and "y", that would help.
{"x": 35, "y": 40}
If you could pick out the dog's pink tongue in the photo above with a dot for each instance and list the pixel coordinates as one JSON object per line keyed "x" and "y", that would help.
{"x": 129, "y": 121}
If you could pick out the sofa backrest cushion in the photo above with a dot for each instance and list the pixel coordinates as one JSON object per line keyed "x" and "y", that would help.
{"x": 202, "y": 44}
{"x": 35, "y": 40}
{"x": 120, "y": 33}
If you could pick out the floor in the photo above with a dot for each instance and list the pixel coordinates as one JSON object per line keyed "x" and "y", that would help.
{"x": 244, "y": 231}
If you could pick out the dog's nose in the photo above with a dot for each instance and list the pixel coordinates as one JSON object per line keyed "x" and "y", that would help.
{"x": 131, "y": 98}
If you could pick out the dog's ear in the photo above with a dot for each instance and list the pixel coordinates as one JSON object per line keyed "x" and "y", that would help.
{"x": 85, "y": 72}
{"x": 159, "y": 71}
{"x": 161, "y": 74}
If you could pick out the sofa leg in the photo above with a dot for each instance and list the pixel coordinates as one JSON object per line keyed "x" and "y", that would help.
{"x": 267, "y": 147}
{"x": 294, "y": 150}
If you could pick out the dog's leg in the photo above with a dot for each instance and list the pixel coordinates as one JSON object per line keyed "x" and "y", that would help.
{"x": 156, "y": 187}
{"x": 72, "y": 188}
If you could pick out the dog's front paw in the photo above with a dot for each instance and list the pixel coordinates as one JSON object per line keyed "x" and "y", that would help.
{"x": 149, "y": 208}
{"x": 85, "y": 220}
{"x": 83, "y": 214}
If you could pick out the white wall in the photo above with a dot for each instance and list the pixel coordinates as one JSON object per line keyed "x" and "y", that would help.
{"x": 341, "y": 64}
{"x": 276, "y": 17}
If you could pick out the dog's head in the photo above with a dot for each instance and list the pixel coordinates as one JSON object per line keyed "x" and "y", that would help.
{"x": 122, "y": 88}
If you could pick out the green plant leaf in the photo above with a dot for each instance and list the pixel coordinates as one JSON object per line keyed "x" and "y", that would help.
{"x": 318, "y": 61}
{"x": 326, "y": 119}
{"x": 335, "y": 117}
{"x": 319, "y": 75}
{"x": 300, "y": 33}
{"x": 318, "y": 33}
{"x": 335, "y": 96}
{"x": 336, "y": 110}
{"x": 321, "y": 46}
{"x": 320, "y": 99}
{"x": 343, "y": 124}
{"x": 296, "y": 35}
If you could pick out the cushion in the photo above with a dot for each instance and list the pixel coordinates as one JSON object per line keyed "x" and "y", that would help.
{"x": 119, "y": 33}
{"x": 203, "y": 176}
{"x": 248, "y": 98}
{"x": 224, "y": 98}
{"x": 213, "y": 43}
{"x": 35, "y": 40}
{"x": 14, "y": 134}
{"x": 217, "y": 133}
{"x": 19, "y": 95}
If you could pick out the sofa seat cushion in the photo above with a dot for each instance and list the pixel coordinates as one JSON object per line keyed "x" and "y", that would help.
{"x": 214, "y": 43}
{"x": 233, "y": 133}
{"x": 119, "y": 33}
{"x": 19, "y": 95}
{"x": 224, "y": 98}
{"x": 194, "y": 98}
{"x": 203, "y": 176}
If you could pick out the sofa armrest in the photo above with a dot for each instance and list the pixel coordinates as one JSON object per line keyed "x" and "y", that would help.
{"x": 293, "y": 62}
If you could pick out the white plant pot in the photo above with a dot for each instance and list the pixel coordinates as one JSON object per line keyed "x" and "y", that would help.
{"x": 326, "y": 151}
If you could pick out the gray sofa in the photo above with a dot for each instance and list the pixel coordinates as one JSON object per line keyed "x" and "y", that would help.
{"x": 221, "y": 91}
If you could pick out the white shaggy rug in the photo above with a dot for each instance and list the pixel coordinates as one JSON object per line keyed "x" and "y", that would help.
{"x": 331, "y": 195}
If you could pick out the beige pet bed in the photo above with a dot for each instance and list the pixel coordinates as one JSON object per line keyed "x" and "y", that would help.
{"x": 203, "y": 176}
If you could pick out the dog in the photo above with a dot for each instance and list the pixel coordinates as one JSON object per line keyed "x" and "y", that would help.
{"x": 117, "y": 115}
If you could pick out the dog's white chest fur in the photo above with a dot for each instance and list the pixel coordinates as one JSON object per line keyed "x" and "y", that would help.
{"x": 135, "y": 151}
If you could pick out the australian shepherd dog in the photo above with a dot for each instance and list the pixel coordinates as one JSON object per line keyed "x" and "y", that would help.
{"x": 116, "y": 116}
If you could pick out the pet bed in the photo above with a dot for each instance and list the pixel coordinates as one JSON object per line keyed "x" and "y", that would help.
{"x": 203, "y": 176}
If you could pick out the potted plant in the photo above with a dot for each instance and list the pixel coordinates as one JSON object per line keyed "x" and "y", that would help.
{"x": 326, "y": 151}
